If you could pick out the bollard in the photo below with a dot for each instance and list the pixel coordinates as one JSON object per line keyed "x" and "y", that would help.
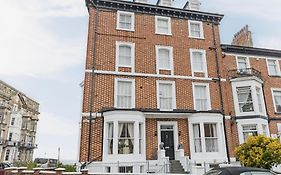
{"x": 59, "y": 171}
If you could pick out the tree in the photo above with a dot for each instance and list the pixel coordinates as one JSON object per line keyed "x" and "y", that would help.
{"x": 259, "y": 151}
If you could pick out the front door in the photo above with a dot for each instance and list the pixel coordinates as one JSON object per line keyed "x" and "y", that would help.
{"x": 167, "y": 137}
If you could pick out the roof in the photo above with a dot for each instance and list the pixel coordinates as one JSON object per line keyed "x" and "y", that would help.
{"x": 250, "y": 50}
{"x": 155, "y": 10}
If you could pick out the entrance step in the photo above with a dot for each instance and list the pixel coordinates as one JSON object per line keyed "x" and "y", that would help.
{"x": 176, "y": 167}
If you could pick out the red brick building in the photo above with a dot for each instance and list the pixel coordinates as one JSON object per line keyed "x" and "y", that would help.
{"x": 159, "y": 87}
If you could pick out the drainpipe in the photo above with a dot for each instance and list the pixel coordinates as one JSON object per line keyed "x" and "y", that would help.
{"x": 92, "y": 91}
{"x": 220, "y": 88}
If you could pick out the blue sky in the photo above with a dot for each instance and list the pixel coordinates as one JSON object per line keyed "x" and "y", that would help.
{"x": 43, "y": 47}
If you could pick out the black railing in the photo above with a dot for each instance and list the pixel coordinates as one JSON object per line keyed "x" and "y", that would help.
{"x": 247, "y": 72}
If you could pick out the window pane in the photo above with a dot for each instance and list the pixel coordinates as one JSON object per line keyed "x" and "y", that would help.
{"x": 125, "y": 21}
{"x": 110, "y": 138}
{"x": 201, "y": 99}
{"x": 249, "y": 130}
{"x": 242, "y": 62}
{"x": 211, "y": 138}
{"x": 125, "y": 138}
{"x": 198, "y": 61}
{"x": 272, "y": 66}
{"x": 259, "y": 97}
{"x": 197, "y": 138}
{"x": 124, "y": 94}
{"x": 164, "y": 59}
{"x": 165, "y": 96}
{"x": 141, "y": 130}
{"x": 163, "y": 25}
{"x": 125, "y": 56}
{"x": 245, "y": 99}
{"x": 195, "y": 30}
{"x": 277, "y": 99}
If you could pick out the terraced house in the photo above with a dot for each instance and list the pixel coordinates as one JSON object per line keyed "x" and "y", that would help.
{"x": 161, "y": 92}
{"x": 18, "y": 122}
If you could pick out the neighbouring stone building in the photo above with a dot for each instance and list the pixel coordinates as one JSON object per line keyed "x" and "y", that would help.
{"x": 18, "y": 122}
{"x": 159, "y": 87}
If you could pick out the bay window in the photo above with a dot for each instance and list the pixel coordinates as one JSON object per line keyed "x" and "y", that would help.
{"x": 209, "y": 137}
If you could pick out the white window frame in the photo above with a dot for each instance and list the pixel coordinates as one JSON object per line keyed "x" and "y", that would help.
{"x": 205, "y": 69}
{"x": 124, "y": 116}
{"x": 253, "y": 84}
{"x": 204, "y": 156}
{"x": 132, "y": 45}
{"x": 255, "y": 121}
{"x": 201, "y": 29}
{"x": 118, "y": 20}
{"x": 207, "y": 92}
{"x": 157, "y": 48}
{"x": 169, "y": 25}
{"x": 132, "y": 91}
{"x": 272, "y": 93}
{"x": 277, "y": 64}
{"x": 174, "y": 106}
{"x": 247, "y": 61}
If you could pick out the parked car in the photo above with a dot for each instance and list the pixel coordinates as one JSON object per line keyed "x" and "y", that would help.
{"x": 4, "y": 165}
{"x": 239, "y": 171}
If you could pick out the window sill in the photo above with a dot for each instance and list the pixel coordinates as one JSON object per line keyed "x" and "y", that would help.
{"x": 127, "y": 30}
{"x": 165, "y": 34}
{"x": 278, "y": 113}
{"x": 200, "y": 38}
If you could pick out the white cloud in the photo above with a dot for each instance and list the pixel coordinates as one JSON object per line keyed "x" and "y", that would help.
{"x": 57, "y": 132}
{"x": 27, "y": 47}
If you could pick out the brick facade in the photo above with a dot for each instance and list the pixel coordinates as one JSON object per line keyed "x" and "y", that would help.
{"x": 99, "y": 86}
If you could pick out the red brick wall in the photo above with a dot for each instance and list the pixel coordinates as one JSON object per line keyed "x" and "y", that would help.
{"x": 145, "y": 40}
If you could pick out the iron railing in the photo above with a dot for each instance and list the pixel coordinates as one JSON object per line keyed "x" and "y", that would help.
{"x": 247, "y": 72}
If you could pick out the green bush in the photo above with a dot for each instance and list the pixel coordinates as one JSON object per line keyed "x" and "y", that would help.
{"x": 259, "y": 151}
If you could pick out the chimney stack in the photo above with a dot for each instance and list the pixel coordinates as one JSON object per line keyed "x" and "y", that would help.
{"x": 167, "y": 3}
{"x": 140, "y": 1}
{"x": 243, "y": 37}
{"x": 192, "y": 5}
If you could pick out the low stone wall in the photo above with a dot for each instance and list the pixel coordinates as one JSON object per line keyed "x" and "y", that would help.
{"x": 41, "y": 171}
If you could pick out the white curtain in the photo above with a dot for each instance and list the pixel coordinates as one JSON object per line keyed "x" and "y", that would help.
{"x": 165, "y": 91}
{"x": 124, "y": 94}
{"x": 120, "y": 129}
{"x": 164, "y": 59}
{"x": 198, "y": 61}
{"x": 201, "y": 98}
{"x": 277, "y": 98}
{"x": 124, "y": 55}
{"x": 130, "y": 130}
{"x": 211, "y": 137}
{"x": 197, "y": 138}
